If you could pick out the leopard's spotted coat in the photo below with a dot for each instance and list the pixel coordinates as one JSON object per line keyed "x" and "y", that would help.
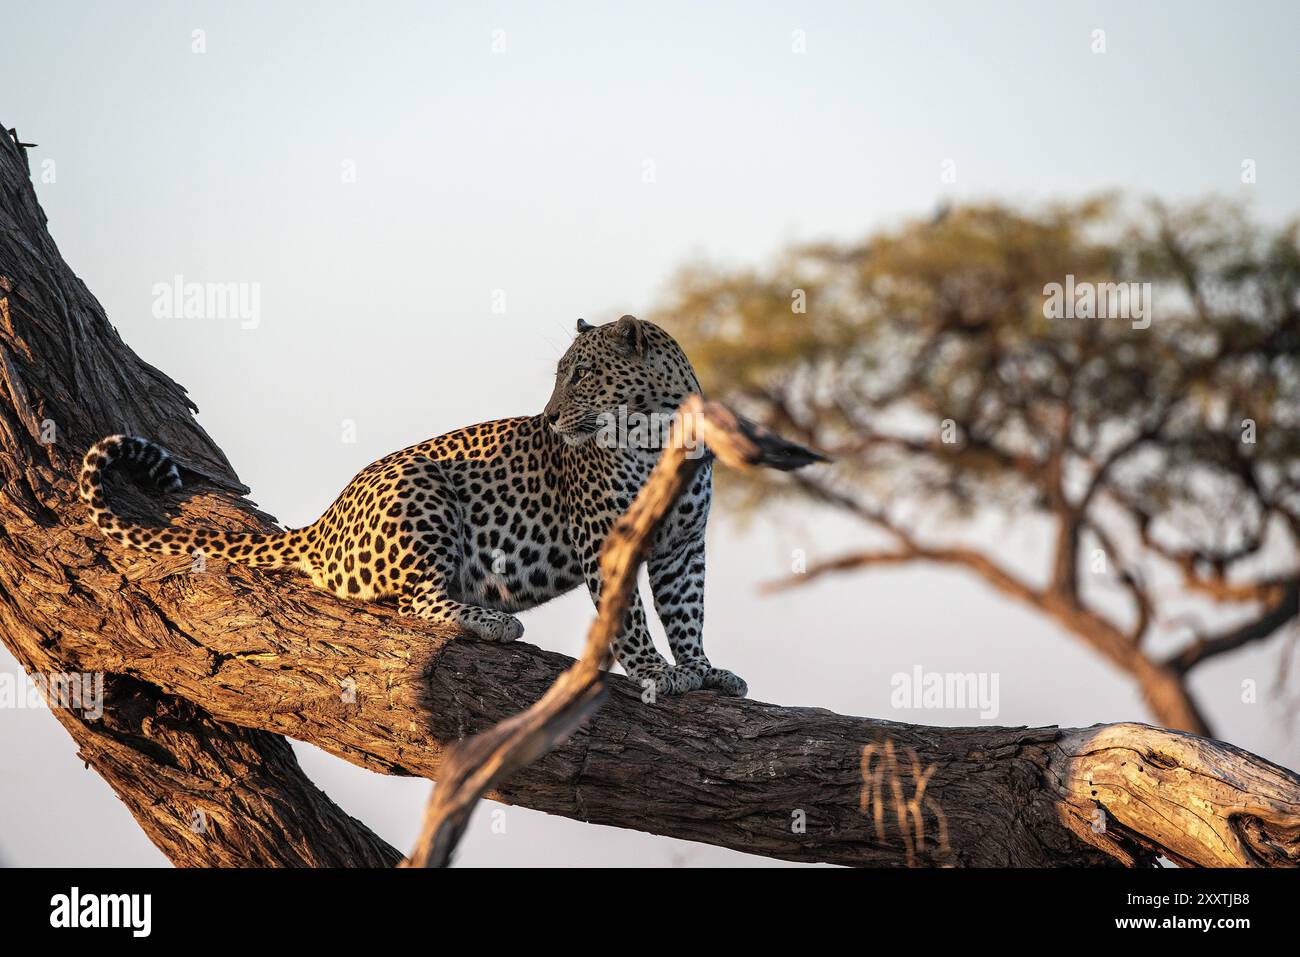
{"x": 491, "y": 519}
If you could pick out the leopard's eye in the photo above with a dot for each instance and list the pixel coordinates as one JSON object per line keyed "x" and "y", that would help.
{"x": 581, "y": 373}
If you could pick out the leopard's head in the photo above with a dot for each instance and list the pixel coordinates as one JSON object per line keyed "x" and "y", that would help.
{"x": 627, "y": 367}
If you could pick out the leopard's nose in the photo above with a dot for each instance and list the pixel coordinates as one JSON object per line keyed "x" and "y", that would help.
{"x": 552, "y": 417}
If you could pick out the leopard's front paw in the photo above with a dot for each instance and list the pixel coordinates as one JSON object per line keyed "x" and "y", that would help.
{"x": 667, "y": 680}
{"x": 726, "y": 682}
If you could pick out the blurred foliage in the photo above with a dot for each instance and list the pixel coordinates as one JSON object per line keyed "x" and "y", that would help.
{"x": 936, "y": 330}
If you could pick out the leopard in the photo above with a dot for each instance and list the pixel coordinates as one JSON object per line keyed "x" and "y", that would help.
{"x": 470, "y": 527}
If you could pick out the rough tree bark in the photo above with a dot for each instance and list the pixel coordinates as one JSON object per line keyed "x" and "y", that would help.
{"x": 206, "y": 671}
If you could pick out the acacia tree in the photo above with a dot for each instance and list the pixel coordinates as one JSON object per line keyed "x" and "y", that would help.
{"x": 1157, "y": 453}
{"x": 206, "y": 673}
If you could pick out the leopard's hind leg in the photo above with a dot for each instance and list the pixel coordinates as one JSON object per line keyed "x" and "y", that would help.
{"x": 426, "y": 597}
{"x": 419, "y": 536}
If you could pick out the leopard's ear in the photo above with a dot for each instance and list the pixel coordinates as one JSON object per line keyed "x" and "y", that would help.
{"x": 630, "y": 335}
{"x": 584, "y": 326}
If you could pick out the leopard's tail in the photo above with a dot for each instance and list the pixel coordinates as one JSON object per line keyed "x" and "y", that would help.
{"x": 154, "y": 464}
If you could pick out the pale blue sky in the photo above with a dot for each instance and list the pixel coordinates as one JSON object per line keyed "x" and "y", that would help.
{"x": 522, "y": 171}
